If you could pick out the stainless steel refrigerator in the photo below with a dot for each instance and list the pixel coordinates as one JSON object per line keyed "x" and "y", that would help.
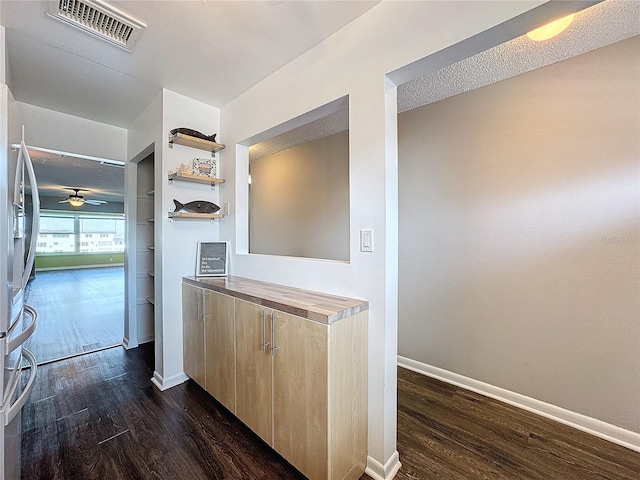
{"x": 19, "y": 220}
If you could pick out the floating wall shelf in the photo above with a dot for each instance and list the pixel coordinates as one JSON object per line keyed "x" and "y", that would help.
{"x": 191, "y": 215}
{"x": 195, "y": 142}
{"x": 186, "y": 177}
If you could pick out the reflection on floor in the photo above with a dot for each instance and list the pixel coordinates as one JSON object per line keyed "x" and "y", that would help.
{"x": 78, "y": 311}
{"x": 98, "y": 416}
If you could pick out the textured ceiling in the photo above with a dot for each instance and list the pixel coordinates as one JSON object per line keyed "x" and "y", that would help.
{"x": 323, "y": 127}
{"x": 595, "y": 27}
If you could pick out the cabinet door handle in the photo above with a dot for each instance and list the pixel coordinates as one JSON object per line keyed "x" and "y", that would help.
{"x": 274, "y": 348}
{"x": 265, "y": 344}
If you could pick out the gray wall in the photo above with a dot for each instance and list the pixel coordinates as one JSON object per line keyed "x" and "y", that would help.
{"x": 299, "y": 201}
{"x": 519, "y": 234}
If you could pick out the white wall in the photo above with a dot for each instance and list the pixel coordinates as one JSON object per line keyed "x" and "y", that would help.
{"x": 177, "y": 247}
{"x": 352, "y": 62}
{"x": 59, "y": 131}
{"x": 299, "y": 200}
{"x": 520, "y": 234}
{"x": 175, "y": 241}
{"x": 3, "y": 58}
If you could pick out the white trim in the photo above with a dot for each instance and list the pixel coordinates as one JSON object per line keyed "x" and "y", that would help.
{"x": 69, "y": 154}
{"x": 377, "y": 471}
{"x": 166, "y": 383}
{"x": 78, "y": 267}
{"x": 128, "y": 345}
{"x": 147, "y": 338}
{"x": 593, "y": 426}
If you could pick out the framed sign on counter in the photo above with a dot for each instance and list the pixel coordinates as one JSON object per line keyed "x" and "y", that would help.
{"x": 212, "y": 259}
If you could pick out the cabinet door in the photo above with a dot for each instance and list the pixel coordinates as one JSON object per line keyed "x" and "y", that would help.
{"x": 193, "y": 333}
{"x": 254, "y": 369}
{"x": 220, "y": 354}
{"x": 300, "y": 393}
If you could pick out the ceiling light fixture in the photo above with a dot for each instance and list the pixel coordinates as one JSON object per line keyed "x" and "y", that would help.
{"x": 551, "y": 29}
{"x": 76, "y": 202}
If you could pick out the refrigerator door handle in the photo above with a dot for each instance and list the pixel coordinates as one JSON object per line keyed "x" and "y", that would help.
{"x": 35, "y": 221}
{"x": 13, "y": 410}
{"x": 19, "y": 339}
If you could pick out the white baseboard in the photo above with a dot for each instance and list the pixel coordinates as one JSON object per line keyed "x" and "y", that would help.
{"x": 147, "y": 338}
{"x": 78, "y": 267}
{"x": 377, "y": 471}
{"x": 593, "y": 426}
{"x": 128, "y": 345}
{"x": 166, "y": 383}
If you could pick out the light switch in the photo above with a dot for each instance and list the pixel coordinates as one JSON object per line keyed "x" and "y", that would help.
{"x": 366, "y": 240}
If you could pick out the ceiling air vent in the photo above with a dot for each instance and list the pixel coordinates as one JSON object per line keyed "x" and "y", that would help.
{"x": 99, "y": 19}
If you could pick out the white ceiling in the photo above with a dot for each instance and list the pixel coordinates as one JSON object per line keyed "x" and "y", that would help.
{"x": 215, "y": 50}
{"x": 208, "y": 50}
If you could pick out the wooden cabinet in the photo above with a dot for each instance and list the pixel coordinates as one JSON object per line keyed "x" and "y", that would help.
{"x": 193, "y": 333}
{"x": 254, "y": 369}
{"x": 209, "y": 342}
{"x": 219, "y": 348}
{"x": 281, "y": 384}
{"x": 299, "y": 384}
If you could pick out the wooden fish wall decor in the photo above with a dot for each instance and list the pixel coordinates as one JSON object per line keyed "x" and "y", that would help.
{"x": 197, "y": 206}
{"x": 194, "y": 133}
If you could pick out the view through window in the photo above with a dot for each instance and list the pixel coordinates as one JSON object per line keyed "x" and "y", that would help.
{"x": 66, "y": 232}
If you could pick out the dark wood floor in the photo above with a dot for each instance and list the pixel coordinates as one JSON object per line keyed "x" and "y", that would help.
{"x": 449, "y": 432}
{"x": 78, "y": 311}
{"x": 98, "y": 417}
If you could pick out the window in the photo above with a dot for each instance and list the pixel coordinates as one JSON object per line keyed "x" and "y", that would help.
{"x": 110, "y": 231}
{"x": 54, "y": 227}
{"x": 75, "y": 233}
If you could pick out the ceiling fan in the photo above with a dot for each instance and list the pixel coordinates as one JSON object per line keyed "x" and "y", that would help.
{"x": 76, "y": 200}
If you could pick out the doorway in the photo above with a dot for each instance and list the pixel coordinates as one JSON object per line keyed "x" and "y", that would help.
{"x": 79, "y": 311}
{"x": 77, "y": 285}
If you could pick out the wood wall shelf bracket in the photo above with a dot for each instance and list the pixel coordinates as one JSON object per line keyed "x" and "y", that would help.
{"x": 195, "y": 142}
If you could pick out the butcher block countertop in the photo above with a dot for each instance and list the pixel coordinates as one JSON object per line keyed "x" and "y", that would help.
{"x": 315, "y": 306}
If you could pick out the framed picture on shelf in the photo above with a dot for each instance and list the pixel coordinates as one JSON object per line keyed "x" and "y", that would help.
{"x": 205, "y": 167}
{"x": 212, "y": 259}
